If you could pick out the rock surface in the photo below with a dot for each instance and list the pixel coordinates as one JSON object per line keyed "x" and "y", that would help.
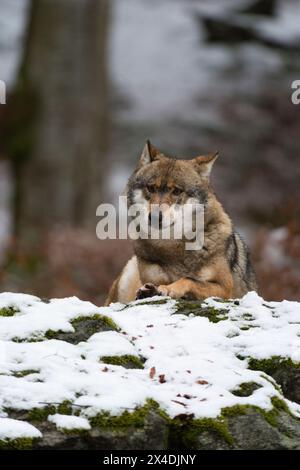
{"x": 154, "y": 374}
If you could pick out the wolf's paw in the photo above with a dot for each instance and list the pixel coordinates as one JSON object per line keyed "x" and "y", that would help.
{"x": 147, "y": 290}
{"x": 172, "y": 290}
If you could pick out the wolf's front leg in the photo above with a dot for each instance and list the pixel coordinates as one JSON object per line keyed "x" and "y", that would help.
{"x": 189, "y": 288}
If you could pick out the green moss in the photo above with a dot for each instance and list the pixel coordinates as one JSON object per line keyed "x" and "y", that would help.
{"x": 189, "y": 432}
{"x": 8, "y": 311}
{"x": 200, "y": 309}
{"x": 235, "y": 410}
{"x": 271, "y": 365}
{"x": 31, "y": 339}
{"x": 180, "y": 430}
{"x": 127, "y": 419}
{"x": 96, "y": 317}
{"x": 245, "y": 389}
{"x": 98, "y": 320}
{"x": 65, "y": 408}
{"x": 270, "y": 416}
{"x": 41, "y": 414}
{"x": 183, "y": 430}
{"x": 126, "y": 360}
{"x": 280, "y": 404}
{"x": 21, "y": 443}
{"x": 52, "y": 334}
{"x": 23, "y": 373}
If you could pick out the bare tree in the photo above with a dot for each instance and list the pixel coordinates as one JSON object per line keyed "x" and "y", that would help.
{"x": 57, "y": 131}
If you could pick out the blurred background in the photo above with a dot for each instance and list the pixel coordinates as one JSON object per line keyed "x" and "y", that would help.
{"x": 89, "y": 80}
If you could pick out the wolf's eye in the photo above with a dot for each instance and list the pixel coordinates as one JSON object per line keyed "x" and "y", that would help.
{"x": 151, "y": 188}
{"x": 177, "y": 191}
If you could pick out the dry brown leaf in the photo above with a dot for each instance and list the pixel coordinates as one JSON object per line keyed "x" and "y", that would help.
{"x": 152, "y": 372}
{"x": 179, "y": 403}
{"x": 188, "y": 397}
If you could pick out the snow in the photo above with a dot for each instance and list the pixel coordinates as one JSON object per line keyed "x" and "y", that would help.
{"x": 36, "y": 317}
{"x": 191, "y": 365}
{"x": 69, "y": 422}
{"x": 14, "y": 429}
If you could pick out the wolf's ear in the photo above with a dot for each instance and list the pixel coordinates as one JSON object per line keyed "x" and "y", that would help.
{"x": 204, "y": 163}
{"x": 149, "y": 154}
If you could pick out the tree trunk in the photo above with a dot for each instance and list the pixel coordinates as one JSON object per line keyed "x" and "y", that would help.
{"x": 59, "y": 180}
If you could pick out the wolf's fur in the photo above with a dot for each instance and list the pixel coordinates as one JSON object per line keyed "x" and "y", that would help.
{"x": 222, "y": 268}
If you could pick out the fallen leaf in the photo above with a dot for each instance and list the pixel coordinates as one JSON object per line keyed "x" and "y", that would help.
{"x": 149, "y": 326}
{"x": 105, "y": 369}
{"x": 179, "y": 403}
{"x": 152, "y": 372}
{"x": 201, "y": 382}
{"x": 162, "y": 379}
{"x": 188, "y": 397}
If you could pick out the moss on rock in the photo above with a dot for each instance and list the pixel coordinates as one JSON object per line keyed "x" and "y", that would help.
{"x": 271, "y": 365}
{"x": 198, "y": 308}
{"x": 20, "y": 443}
{"x": 127, "y": 360}
{"x": 41, "y": 414}
{"x": 96, "y": 317}
{"x": 8, "y": 311}
{"x": 24, "y": 373}
{"x": 127, "y": 419}
{"x": 186, "y": 432}
{"x": 85, "y": 327}
{"x": 245, "y": 389}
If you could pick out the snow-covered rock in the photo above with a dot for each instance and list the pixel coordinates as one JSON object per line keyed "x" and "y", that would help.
{"x": 73, "y": 375}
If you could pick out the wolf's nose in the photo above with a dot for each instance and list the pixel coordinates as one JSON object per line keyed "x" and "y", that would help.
{"x": 155, "y": 218}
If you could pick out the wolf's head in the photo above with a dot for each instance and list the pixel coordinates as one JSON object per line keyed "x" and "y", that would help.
{"x": 159, "y": 180}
